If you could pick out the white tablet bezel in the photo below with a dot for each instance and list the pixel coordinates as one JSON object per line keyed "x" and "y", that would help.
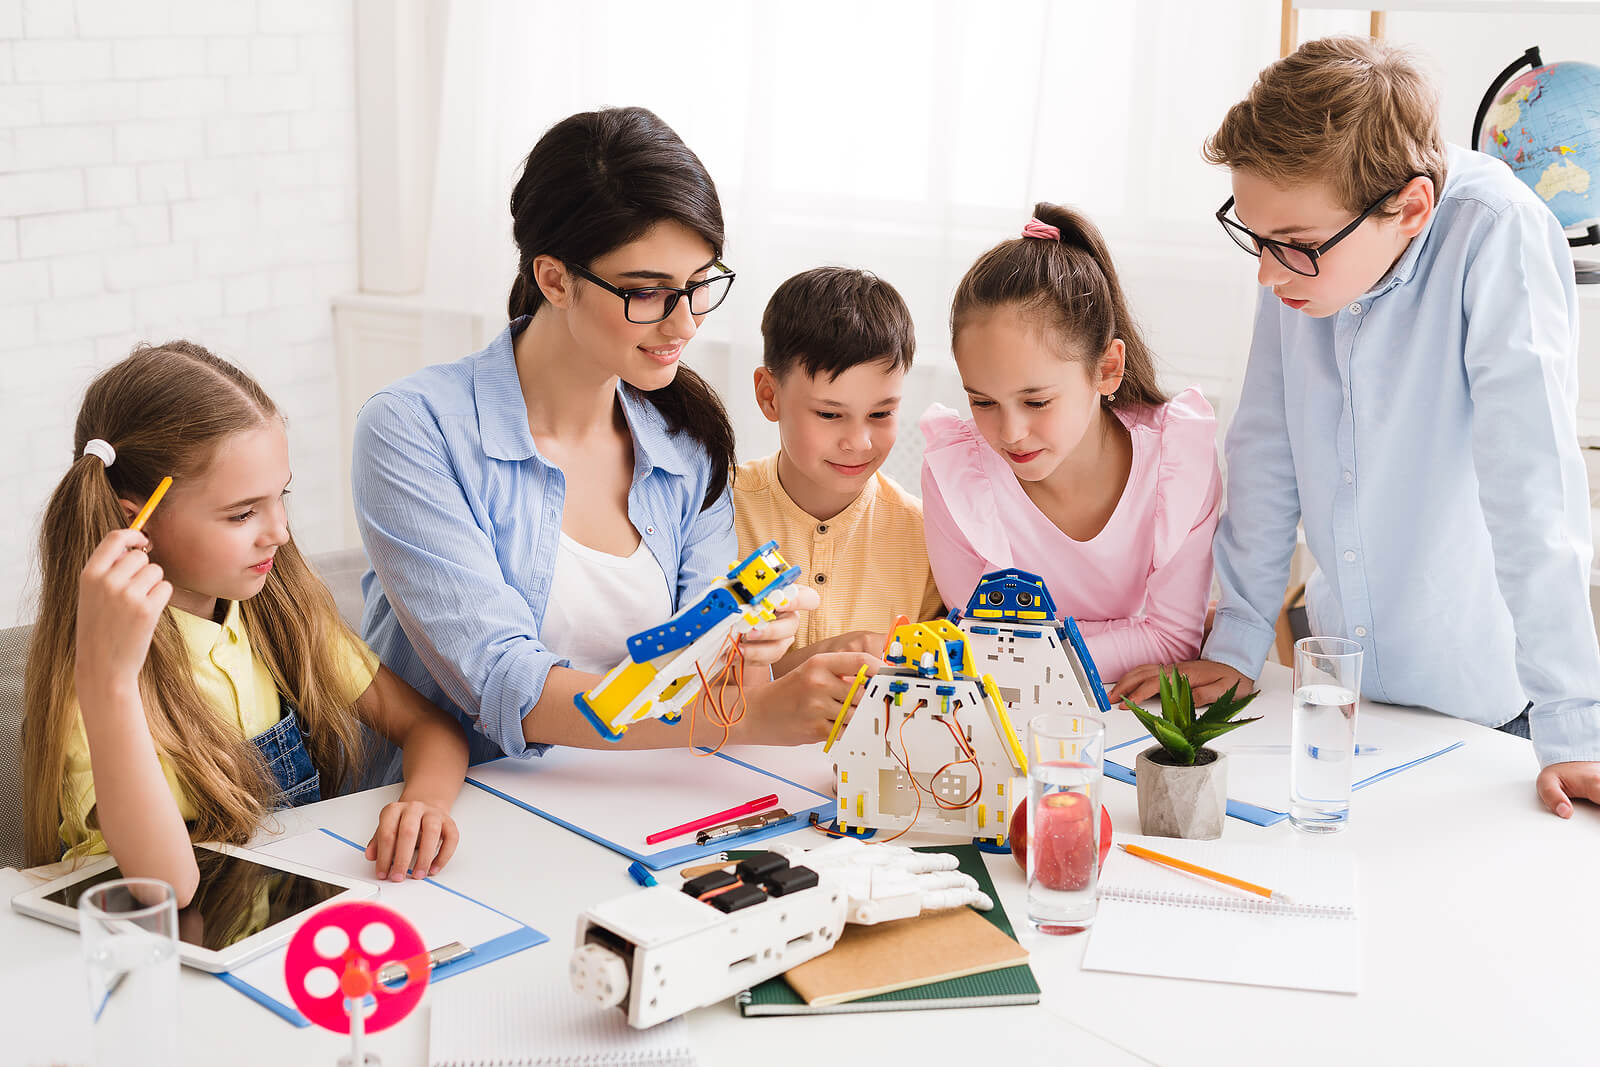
{"x": 32, "y": 902}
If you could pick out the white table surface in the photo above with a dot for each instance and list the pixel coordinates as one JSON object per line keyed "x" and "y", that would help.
{"x": 1477, "y": 913}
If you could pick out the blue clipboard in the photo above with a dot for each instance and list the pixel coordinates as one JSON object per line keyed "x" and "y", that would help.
{"x": 488, "y": 952}
{"x": 680, "y": 854}
{"x": 1254, "y": 813}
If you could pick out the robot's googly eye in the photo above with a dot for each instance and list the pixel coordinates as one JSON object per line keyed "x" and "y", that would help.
{"x": 1024, "y": 599}
{"x": 995, "y": 598}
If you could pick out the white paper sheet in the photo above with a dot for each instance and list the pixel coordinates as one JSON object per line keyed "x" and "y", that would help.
{"x": 624, "y": 796}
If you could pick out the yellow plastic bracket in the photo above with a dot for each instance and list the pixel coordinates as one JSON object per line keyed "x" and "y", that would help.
{"x": 1019, "y": 759}
{"x": 844, "y": 709}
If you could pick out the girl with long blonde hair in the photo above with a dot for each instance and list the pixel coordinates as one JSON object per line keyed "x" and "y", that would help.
{"x": 185, "y": 681}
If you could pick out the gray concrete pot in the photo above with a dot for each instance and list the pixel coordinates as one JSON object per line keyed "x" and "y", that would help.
{"x": 1186, "y": 802}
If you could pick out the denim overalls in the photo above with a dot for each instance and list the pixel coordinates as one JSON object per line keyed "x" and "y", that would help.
{"x": 282, "y": 745}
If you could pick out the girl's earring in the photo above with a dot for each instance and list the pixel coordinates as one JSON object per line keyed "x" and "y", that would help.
{"x": 1111, "y": 398}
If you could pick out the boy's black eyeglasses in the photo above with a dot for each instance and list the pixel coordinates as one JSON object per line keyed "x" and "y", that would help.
{"x": 1298, "y": 258}
{"x": 655, "y": 303}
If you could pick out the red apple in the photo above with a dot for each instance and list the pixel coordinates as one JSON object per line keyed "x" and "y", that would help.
{"x": 1017, "y": 835}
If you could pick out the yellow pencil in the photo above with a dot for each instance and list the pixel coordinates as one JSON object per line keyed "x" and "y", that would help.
{"x": 1203, "y": 872}
{"x": 150, "y": 505}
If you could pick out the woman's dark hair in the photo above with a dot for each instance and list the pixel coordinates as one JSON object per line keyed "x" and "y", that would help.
{"x": 594, "y": 182}
{"x": 1072, "y": 286}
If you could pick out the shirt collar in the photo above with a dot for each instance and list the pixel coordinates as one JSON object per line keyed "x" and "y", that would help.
{"x": 503, "y": 415}
{"x": 843, "y": 521}
{"x": 497, "y": 394}
{"x": 1406, "y": 266}
{"x": 200, "y": 635}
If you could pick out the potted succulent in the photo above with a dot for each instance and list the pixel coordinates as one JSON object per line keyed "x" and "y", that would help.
{"x": 1183, "y": 785}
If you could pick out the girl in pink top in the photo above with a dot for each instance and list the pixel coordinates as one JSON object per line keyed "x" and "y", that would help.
{"x": 1074, "y": 464}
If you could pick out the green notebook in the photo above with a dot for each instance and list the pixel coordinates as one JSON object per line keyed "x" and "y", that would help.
{"x": 1008, "y": 985}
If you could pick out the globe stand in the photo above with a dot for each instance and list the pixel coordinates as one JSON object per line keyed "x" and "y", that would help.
{"x": 1586, "y": 271}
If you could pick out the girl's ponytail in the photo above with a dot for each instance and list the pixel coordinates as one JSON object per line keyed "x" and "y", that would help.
{"x": 1071, "y": 280}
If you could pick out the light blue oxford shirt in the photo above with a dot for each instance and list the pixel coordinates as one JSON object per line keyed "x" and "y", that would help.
{"x": 461, "y": 518}
{"x": 1426, "y": 436}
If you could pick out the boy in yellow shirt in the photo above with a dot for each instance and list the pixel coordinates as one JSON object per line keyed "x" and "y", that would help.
{"x": 837, "y": 344}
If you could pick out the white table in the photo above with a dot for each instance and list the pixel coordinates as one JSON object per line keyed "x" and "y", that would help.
{"x": 1477, "y": 917}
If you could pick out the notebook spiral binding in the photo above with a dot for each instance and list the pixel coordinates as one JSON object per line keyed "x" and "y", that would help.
{"x": 1254, "y": 905}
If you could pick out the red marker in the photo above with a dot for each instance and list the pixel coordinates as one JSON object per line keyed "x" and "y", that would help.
{"x": 747, "y": 808}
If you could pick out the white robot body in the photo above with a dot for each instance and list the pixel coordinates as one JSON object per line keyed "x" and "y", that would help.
{"x": 660, "y": 952}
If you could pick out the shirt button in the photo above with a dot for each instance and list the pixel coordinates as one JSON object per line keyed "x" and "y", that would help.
{"x": 822, "y": 528}
{"x": 1355, "y": 309}
{"x": 649, "y": 529}
{"x": 822, "y": 579}
{"x": 1349, "y": 557}
{"x": 1361, "y": 631}
{"x": 1348, "y": 477}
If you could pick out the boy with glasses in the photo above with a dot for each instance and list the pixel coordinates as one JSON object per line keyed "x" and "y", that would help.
{"x": 836, "y": 346}
{"x": 1410, "y": 398}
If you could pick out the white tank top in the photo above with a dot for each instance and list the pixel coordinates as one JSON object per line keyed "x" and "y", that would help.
{"x": 598, "y": 601}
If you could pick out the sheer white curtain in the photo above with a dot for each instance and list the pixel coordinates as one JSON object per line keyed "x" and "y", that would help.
{"x": 897, "y": 136}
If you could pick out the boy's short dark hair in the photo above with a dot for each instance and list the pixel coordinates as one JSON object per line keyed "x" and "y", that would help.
{"x": 830, "y": 319}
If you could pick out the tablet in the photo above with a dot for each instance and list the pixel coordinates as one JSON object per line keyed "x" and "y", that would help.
{"x": 247, "y": 903}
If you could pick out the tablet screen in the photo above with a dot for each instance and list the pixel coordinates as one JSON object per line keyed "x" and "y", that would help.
{"x": 235, "y": 899}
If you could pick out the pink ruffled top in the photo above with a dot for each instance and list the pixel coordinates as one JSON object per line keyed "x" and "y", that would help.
{"x": 1138, "y": 589}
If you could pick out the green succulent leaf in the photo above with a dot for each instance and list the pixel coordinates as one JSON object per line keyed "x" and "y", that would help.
{"x": 1204, "y": 735}
{"x": 1226, "y": 706}
{"x": 1184, "y": 718}
{"x": 1169, "y": 736}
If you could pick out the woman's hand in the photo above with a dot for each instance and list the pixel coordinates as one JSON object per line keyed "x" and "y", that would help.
{"x": 1209, "y": 681}
{"x": 414, "y": 836}
{"x": 765, "y": 645}
{"x": 800, "y": 707}
{"x": 121, "y": 595}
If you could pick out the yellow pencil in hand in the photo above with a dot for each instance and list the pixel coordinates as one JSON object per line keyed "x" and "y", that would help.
{"x": 1204, "y": 872}
{"x": 150, "y": 505}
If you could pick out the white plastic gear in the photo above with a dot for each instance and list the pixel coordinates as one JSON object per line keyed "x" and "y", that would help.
{"x": 886, "y": 882}
{"x": 599, "y": 974}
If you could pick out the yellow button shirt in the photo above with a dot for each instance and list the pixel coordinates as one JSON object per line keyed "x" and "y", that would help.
{"x": 869, "y": 562}
{"x": 233, "y": 681}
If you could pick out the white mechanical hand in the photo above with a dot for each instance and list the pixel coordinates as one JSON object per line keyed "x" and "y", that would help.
{"x": 884, "y": 882}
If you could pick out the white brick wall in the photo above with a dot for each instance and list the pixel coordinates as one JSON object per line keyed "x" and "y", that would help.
{"x": 170, "y": 168}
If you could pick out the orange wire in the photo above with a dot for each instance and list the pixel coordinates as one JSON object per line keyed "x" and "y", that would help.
{"x": 712, "y": 694}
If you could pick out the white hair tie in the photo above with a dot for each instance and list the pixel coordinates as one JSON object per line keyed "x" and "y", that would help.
{"x": 101, "y": 449}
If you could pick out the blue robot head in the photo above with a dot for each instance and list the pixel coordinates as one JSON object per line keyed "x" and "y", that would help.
{"x": 1011, "y": 595}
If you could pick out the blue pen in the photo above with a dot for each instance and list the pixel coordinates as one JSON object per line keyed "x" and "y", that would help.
{"x": 640, "y": 875}
{"x": 1271, "y": 750}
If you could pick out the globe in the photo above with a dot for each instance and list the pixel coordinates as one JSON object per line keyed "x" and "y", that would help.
{"x": 1545, "y": 125}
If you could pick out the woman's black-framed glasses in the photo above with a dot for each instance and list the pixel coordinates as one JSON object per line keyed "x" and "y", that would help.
{"x": 654, "y": 303}
{"x": 1298, "y": 258}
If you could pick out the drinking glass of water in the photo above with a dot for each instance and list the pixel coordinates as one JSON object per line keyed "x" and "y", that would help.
{"x": 1322, "y": 746}
{"x": 1066, "y": 761}
{"x": 129, "y": 932}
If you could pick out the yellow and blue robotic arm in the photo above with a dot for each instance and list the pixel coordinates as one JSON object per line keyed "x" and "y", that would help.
{"x": 661, "y": 674}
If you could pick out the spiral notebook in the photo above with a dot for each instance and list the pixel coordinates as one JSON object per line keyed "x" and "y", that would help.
{"x": 539, "y": 1027}
{"x": 1159, "y": 921}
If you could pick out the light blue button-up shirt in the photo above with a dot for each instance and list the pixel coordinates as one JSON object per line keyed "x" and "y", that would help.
{"x": 1426, "y": 436}
{"x": 461, "y": 518}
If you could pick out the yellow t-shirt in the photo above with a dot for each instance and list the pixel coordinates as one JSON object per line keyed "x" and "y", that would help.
{"x": 237, "y": 685}
{"x": 869, "y": 562}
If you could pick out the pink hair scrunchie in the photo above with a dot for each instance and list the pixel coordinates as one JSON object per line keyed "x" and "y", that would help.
{"x": 1042, "y": 230}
